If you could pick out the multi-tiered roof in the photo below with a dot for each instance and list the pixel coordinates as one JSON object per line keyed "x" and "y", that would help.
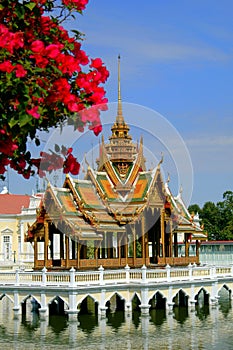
{"x": 117, "y": 196}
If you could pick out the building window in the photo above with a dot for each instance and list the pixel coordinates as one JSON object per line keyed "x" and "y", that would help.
{"x": 7, "y": 248}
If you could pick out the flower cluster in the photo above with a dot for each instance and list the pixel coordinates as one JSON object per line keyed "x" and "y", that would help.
{"x": 42, "y": 80}
{"x": 60, "y": 158}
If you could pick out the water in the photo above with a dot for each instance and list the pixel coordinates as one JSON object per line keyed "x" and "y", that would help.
{"x": 206, "y": 328}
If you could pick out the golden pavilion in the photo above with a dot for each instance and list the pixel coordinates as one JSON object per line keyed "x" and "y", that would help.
{"x": 120, "y": 214}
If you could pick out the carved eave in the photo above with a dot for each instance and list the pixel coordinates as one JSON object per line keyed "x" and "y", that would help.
{"x": 34, "y": 230}
{"x": 90, "y": 176}
{"x": 80, "y": 204}
{"x": 156, "y": 193}
{"x": 53, "y": 209}
{"x": 139, "y": 165}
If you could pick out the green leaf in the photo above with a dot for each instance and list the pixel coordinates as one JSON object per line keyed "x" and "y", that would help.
{"x": 24, "y": 119}
{"x": 20, "y": 12}
{"x": 31, "y": 5}
{"x": 13, "y": 122}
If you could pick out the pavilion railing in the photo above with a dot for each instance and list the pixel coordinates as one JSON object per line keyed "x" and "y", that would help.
{"x": 73, "y": 278}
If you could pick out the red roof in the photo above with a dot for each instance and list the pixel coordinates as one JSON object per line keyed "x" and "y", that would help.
{"x": 13, "y": 203}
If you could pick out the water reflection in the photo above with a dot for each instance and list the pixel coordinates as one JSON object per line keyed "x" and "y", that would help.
{"x": 116, "y": 319}
{"x": 224, "y": 302}
{"x": 136, "y": 318}
{"x": 160, "y": 330}
{"x": 88, "y": 322}
{"x": 202, "y": 312}
{"x": 58, "y": 323}
{"x": 158, "y": 316}
{"x": 180, "y": 314}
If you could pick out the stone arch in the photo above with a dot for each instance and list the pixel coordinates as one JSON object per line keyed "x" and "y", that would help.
{"x": 84, "y": 296}
{"x": 226, "y": 289}
{"x": 137, "y": 295}
{"x": 4, "y": 295}
{"x": 224, "y": 299}
{"x": 157, "y": 308}
{"x": 180, "y": 298}
{"x": 136, "y": 302}
{"x": 115, "y": 302}
{"x": 57, "y": 306}
{"x": 202, "y": 297}
{"x": 30, "y": 303}
{"x": 113, "y": 293}
{"x": 157, "y": 301}
{"x": 88, "y": 305}
{"x": 28, "y": 297}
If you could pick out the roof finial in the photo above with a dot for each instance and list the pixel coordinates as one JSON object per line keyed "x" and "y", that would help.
{"x": 119, "y": 107}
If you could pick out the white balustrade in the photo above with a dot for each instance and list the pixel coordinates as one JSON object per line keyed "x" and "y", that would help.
{"x": 102, "y": 277}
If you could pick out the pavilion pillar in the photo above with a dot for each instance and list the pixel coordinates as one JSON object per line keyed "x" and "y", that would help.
{"x": 103, "y": 246}
{"x": 186, "y": 245}
{"x": 78, "y": 253}
{"x": 61, "y": 246}
{"x": 118, "y": 248}
{"x": 126, "y": 248}
{"x": 73, "y": 249}
{"x": 35, "y": 251}
{"x": 83, "y": 250}
{"x": 51, "y": 246}
{"x": 197, "y": 250}
{"x": 175, "y": 245}
{"x": 119, "y": 240}
{"x": 146, "y": 246}
{"x": 134, "y": 245}
{"x": 67, "y": 250}
{"x": 170, "y": 240}
{"x": 96, "y": 247}
{"x": 46, "y": 242}
{"x": 109, "y": 245}
{"x": 157, "y": 237}
{"x": 162, "y": 227}
{"x": 143, "y": 239}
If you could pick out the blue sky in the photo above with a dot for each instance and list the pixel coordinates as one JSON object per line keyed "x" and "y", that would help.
{"x": 176, "y": 59}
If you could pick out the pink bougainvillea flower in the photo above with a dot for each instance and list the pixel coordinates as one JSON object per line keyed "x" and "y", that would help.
{"x": 78, "y": 4}
{"x": 71, "y": 165}
{"x": 37, "y": 46}
{"x": 43, "y": 83}
{"x": 34, "y": 112}
{"x": 20, "y": 72}
{"x": 96, "y": 63}
{"x": 6, "y": 66}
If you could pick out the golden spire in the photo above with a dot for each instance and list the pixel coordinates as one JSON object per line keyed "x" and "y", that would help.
{"x": 119, "y": 118}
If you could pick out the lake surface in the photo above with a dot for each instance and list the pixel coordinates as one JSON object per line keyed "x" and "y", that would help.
{"x": 205, "y": 328}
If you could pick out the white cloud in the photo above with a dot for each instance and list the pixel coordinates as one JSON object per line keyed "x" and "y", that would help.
{"x": 147, "y": 42}
{"x": 210, "y": 141}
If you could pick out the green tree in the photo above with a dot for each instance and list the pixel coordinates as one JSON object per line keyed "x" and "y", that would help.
{"x": 217, "y": 218}
{"x": 210, "y": 218}
{"x": 194, "y": 208}
{"x": 226, "y": 216}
